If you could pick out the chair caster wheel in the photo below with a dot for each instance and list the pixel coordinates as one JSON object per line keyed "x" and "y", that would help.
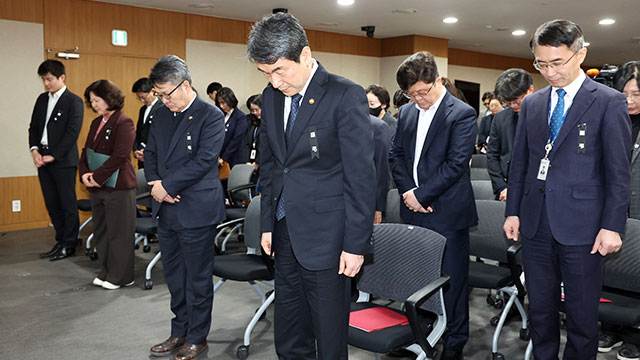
{"x": 243, "y": 352}
{"x": 87, "y": 252}
{"x": 497, "y": 356}
{"x": 525, "y": 334}
{"x": 499, "y": 304}
{"x": 136, "y": 246}
{"x": 495, "y": 320}
{"x": 241, "y": 237}
{"x": 263, "y": 316}
{"x": 146, "y": 248}
{"x": 490, "y": 300}
{"x": 93, "y": 256}
{"x": 148, "y": 285}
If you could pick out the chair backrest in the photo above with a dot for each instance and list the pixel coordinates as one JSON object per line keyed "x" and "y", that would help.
{"x": 479, "y": 161}
{"x": 479, "y": 174}
{"x": 392, "y": 214}
{"x": 487, "y": 240}
{"x": 622, "y": 269}
{"x": 142, "y": 189}
{"x": 482, "y": 190}
{"x": 252, "y": 224}
{"x": 240, "y": 176}
{"x": 405, "y": 259}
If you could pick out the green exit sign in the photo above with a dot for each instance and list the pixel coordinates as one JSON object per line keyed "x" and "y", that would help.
{"x": 119, "y": 38}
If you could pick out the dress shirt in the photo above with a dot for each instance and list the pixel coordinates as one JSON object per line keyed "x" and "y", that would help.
{"x": 51, "y": 104}
{"x": 425, "y": 118}
{"x": 571, "y": 89}
{"x": 148, "y": 110}
{"x": 287, "y": 99}
{"x": 227, "y": 116}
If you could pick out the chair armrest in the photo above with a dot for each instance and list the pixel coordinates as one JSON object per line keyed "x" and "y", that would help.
{"x": 411, "y": 306}
{"x": 512, "y": 253}
{"x": 232, "y": 190}
{"x": 143, "y": 195}
{"x": 229, "y": 223}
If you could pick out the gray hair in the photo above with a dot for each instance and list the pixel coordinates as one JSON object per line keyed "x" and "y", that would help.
{"x": 558, "y": 32}
{"x": 170, "y": 68}
{"x": 274, "y": 37}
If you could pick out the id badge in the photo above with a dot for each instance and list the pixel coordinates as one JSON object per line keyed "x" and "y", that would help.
{"x": 252, "y": 155}
{"x": 544, "y": 169}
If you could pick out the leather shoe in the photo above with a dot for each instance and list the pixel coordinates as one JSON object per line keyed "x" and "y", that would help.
{"x": 191, "y": 351}
{"x": 167, "y": 346}
{"x": 51, "y": 252}
{"x": 451, "y": 354}
{"x": 62, "y": 254}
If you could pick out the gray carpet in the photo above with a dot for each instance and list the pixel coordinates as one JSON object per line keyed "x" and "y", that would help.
{"x": 50, "y": 310}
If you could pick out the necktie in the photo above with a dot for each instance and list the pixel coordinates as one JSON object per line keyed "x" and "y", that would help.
{"x": 557, "y": 116}
{"x": 295, "y": 105}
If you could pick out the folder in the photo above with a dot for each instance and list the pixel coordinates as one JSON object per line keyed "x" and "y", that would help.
{"x": 376, "y": 318}
{"x": 95, "y": 160}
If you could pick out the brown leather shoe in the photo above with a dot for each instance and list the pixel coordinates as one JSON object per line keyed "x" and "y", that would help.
{"x": 166, "y": 347}
{"x": 191, "y": 351}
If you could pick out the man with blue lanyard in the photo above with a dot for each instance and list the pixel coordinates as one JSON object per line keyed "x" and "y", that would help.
{"x": 568, "y": 191}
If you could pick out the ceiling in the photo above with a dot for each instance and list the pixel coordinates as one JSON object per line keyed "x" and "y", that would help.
{"x": 483, "y": 26}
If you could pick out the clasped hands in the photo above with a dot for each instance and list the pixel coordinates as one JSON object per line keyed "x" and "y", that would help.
{"x": 39, "y": 160}
{"x": 412, "y": 203}
{"x": 88, "y": 181}
{"x": 159, "y": 194}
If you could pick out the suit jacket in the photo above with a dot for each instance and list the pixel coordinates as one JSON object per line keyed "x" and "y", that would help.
{"x": 634, "y": 205}
{"x": 114, "y": 139}
{"x": 142, "y": 128}
{"x": 329, "y": 192}
{"x": 382, "y": 141}
{"x": 585, "y": 191}
{"x": 235, "y": 129}
{"x": 503, "y": 130}
{"x": 62, "y": 130}
{"x": 443, "y": 170}
{"x": 484, "y": 129}
{"x": 191, "y": 172}
{"x": 391, "y": 122}
{"x": 248, "y": 144}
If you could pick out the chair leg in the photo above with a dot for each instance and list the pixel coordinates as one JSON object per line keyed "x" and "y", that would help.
{"x": 88, "y": 244}
{"x": 256, "y": 317}
{"x": 218, "y": 285}
{"x": 503, "y": 318}
{"x": 226, "y": 238}
{"x": 147, "y": 273}
{"x": 85, "y": 223}
{"x": 259, "y": 291}
{"x": 527, "y": 353}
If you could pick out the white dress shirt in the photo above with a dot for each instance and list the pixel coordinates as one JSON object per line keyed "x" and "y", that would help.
{"x": 424, "y": 122}
{"x": 287, "y": 99}
{"x": 571, "y": 89}
{"x": 51, "y": 104}
{"x": 148, "y": 110}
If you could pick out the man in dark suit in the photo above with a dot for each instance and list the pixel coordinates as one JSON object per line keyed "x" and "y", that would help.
{"x": 143, "y": 90}
{"x": 318, "y": 189}
{"x": 568, "y": 191}
{"x": 429, "y": 160}
{"x": 53, "y": 132}
{"x": 181, "y": 165}
{"x": 512, "y": 87}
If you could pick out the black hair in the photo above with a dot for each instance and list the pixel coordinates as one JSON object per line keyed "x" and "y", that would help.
{"x": 512, "y": 84}
{"x": 255, "y": 100}
{"x": 142, "y": 85}
{"x": 556, "y": 33}
{"x": 420, "y": 66}
{"x": 54, "y": 67}
{"x": 276, "y": 36}
{"x": 170, "y": 68}
{"x": 381, "y": 93}
{"x": 399, "y": 99}
{"x": 228, "y": 96}
{"x": 107, "y": 91}
{"x": 487, "y": 95}
{"x": 214, "y": 86}
{"x": 626, "y": 73}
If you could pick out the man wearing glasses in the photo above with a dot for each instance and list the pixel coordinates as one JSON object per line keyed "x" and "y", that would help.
{"x": 512, "y": 87}
{"x": 181, "y": 165}
{"x": 568, "y": 191}
{"x": 429, "y": 159}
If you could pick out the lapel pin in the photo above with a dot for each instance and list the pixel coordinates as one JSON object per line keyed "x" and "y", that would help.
{"x": 311, "y": 101}
{"x": 190, "y": 117}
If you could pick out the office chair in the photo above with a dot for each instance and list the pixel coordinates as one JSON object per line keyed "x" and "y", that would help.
{"x": 239, "y": 193}
{"x": 479, "y": 161}
{"x": 392, "y": 213}
{"x": 85, "y": 205}
{"x": 479, "y": 174}
{"x": 406, "y": 268}
{"x": 482, "y": 190}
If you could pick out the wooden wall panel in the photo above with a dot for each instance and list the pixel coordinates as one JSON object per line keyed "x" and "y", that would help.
{"x": 27, "y": 190}
{"x": 409, "y": 44}
{"x": 489, "y": 61}
{"x": 343, "y": 44}
{"x": 22, "y": 10}
{"x": 400, "y": 45}
{"x": 217, "y": 29}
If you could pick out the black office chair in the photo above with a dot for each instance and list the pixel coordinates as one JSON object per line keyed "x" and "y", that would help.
{"x": 482, "y": 190}
{"x": 146, "y": 225}
{"x": 85, "y": 205}
{"x": 488, "y": 242}
{"x": 239, "y": 193}
{"x": 479, "y": 161}
{"x": 392, "y": 213}
{"x": 479, "y": 174}
{"x": 406, "y": 268}
{"x": 249, "y": 267}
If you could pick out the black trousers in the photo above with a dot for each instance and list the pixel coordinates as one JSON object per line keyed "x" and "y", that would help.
{"x": 58, "y": 186}
{"x": 455, "y": 263}
{"x": 187, "y": 264}
{"x": 546, "y": 264}
{"x": 311, "y": 307}
{"x": 114, "y": 225}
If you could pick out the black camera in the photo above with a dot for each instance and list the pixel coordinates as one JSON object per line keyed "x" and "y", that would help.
{"x": 606, "y": 74}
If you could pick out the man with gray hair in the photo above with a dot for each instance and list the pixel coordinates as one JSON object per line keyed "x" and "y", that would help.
{"x": 568, "y": 191}
{"x": 318, "y": 189}
{"x": 181, "y": 165}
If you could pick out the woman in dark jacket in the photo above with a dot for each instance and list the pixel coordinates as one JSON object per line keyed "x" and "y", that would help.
{"x": 235, "y": 122}
{"x": 105, "y": 168}
{"x": 251, "y": 138}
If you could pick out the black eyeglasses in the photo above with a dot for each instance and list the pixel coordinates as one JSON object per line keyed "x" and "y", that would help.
{"x": 422, "y": 94}
{"x": 554, "y": 65}
{"x": 167, "y": 96}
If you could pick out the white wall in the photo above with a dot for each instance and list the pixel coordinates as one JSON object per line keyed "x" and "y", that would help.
{"x": 21, "y": 44}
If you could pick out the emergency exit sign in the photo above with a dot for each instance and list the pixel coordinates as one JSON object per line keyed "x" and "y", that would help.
{"x": 119, "y": 38}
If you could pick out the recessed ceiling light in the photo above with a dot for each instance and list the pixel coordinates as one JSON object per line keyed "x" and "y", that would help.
{"x": 345, "y": 2}
{"x": 450, "y": 20}
{"x": 518, "y": 32}
{"x": 586, "y": 44}
{"x": 404, "y": 11}
{"x": 606, "y": 22}
{"x": 201, "y": 6}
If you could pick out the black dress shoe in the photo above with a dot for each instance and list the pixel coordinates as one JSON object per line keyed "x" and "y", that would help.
{"x": 51, "y": 252}
{"x": 451, "y": 354}
{"x": 63, "y": 253}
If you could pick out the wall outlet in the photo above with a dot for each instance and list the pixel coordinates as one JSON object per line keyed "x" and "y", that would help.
{"x": 15, "y": 206}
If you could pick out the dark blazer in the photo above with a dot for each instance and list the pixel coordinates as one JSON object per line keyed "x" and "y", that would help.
{"x": 484, "y": 129}
{"x": 142, "y": 128}
{"x": 503, "y": 130}
{"x": 252, "y": 136}
{"x": 391, "y": 122}
{"x": 192, "y": 174}
{"x": 114, "y": 139}
{"x": 330, "y": 193}
{"x": 584, "y": 191}
{"x": 443, "y": 170}
{"x": 62, "y": 130}
{"x": 235, "y": 129}
{"x": 382, "y": 141}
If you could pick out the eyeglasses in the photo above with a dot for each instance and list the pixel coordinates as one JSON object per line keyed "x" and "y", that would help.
{"x": 634, "y": 95}
{"x": 516, "y": 102}
{"x": 414, "y": 96}
{"x": 554, "y": 65}
{"x": 167, "y": 96}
